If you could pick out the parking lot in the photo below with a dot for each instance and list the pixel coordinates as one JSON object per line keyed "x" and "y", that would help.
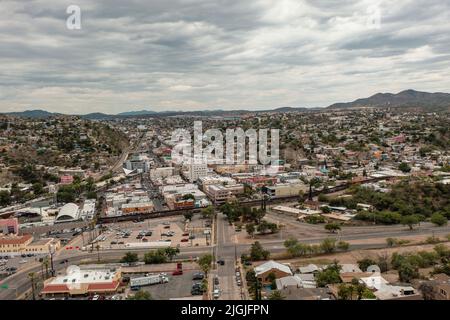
{"x": 178, "y": 286}
{"x": 12, "y": 264}
{"x": 153, "y": 230}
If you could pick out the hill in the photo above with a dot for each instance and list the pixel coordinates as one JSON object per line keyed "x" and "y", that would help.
{"x": 407, "y": 98}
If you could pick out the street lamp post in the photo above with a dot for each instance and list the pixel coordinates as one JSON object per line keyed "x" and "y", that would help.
{"x": 51, "y": 250}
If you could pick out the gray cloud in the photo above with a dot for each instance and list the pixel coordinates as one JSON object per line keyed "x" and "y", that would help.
{"x": 204, "y": 54}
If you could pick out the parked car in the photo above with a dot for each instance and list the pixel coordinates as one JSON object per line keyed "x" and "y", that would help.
{"x": 198, "y": 276}
{"x": 221, "y": 262}
{"x": 177, "y": 272}
{"x": 216, "y": 280}
{"x": 186, "y": 234}
{"x": 216, "y": 293}
{"x": 184, "y": 240}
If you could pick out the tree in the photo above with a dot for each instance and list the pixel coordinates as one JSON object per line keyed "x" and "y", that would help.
{"x": 205, "y": 262}
{"x": 276, "y": 295}
{"x": 155, "y": 257}
{"x": 345, "y": 292}
{"x": 438, "y": 219}
{"x": 407, "y": 272}
{"x": 141, "y": 295}
{"x": 363, "y": 264}
{"x": 188, "y": 196}
{"x": 5, "y": 198}
{"x": 328, "y": 245}
{"x": 129, "y": 257}
{"x": 342, "y": 245}
{"x": 32, "y": 277}
{"x": 325, "y": 209}
{"x": 257, "y": 252}
{"x": 171, "y": 252}
{"x": 427, "y": 291}
{"x": 329, "y": 275}
{"x": 410, "y": 221}
{"x": 332, "y": 227}
{"x": 404, "y": 167}
{"x": 208, "y": 212}
{"x": 271, "y": 277}
{"x": 37, "y": 188}
{"x": 188, "y": 215}
{"x": 250, "y": 228}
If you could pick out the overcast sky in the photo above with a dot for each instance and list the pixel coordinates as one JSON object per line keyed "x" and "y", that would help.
{"x": 204, "y": 54}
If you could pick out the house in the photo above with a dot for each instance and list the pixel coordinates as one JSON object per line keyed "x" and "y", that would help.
{"x": 292, "y": 293}
{"x": 385, "y": 291}
{"x": 440, "y": 285}
{"x": 278, "y": 269}
{"x": 348, "y": 268}
{"x": 311, "y": 268}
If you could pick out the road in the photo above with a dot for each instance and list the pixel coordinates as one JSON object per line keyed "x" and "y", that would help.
{"x": 227, "y": 250}
{"x": 19, "y": 283}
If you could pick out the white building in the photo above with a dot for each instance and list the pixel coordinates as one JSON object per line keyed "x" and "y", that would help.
{"x": 197, "y": 170}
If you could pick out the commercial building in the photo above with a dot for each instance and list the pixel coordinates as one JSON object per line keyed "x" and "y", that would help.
{"x": 78, "y": 281}
{"x": 8, "y": 226}
{"x": 161, "y": 173}
{"x": 256, "y": 181}
{"x": 196, "y": 170}
{"x": 183, "y": 196}
{"x": 88, "y": 210}
{"x": 285, "y": 190}
{"x": 15, "y": 245}
{"x": 69, "y": 212}
{"x": 220, "y": 193}
{"x": 138, "y": 163}
{"x": 137, "y": 207}
{"x": 215, "y": 179}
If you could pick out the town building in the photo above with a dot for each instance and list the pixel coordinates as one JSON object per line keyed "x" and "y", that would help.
{"x": 79, "y": 282}
{"x": 8, "y": 226}
{"x": 16, "y": 245}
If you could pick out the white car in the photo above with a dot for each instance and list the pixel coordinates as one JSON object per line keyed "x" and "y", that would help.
{"x": 216, "y": 293}
{"x": 23, "y": 261}
{"x": 96, "y": 297}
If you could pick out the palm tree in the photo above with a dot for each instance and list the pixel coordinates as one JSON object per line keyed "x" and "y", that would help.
{"x": 45, "y": 264}
{"x": 97, "y": 247}
{"x": 32, "y": 277}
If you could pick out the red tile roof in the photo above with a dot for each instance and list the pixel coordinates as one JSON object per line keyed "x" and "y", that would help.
{"x": 55, "y": 288}
{"x": 15, "y": 239}
{"x": 111, "y": 286}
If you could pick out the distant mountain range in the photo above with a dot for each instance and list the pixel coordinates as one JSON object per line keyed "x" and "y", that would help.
{"x": 407, "y": 98}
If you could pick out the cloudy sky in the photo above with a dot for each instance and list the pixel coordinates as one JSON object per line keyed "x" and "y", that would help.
{"x": 205, "y": 54}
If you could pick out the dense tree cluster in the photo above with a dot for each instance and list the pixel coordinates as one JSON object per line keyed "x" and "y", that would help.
{"x": 409, "y": 203}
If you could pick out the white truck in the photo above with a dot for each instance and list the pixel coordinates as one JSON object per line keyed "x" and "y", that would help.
{"x": 149, "y": 279}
